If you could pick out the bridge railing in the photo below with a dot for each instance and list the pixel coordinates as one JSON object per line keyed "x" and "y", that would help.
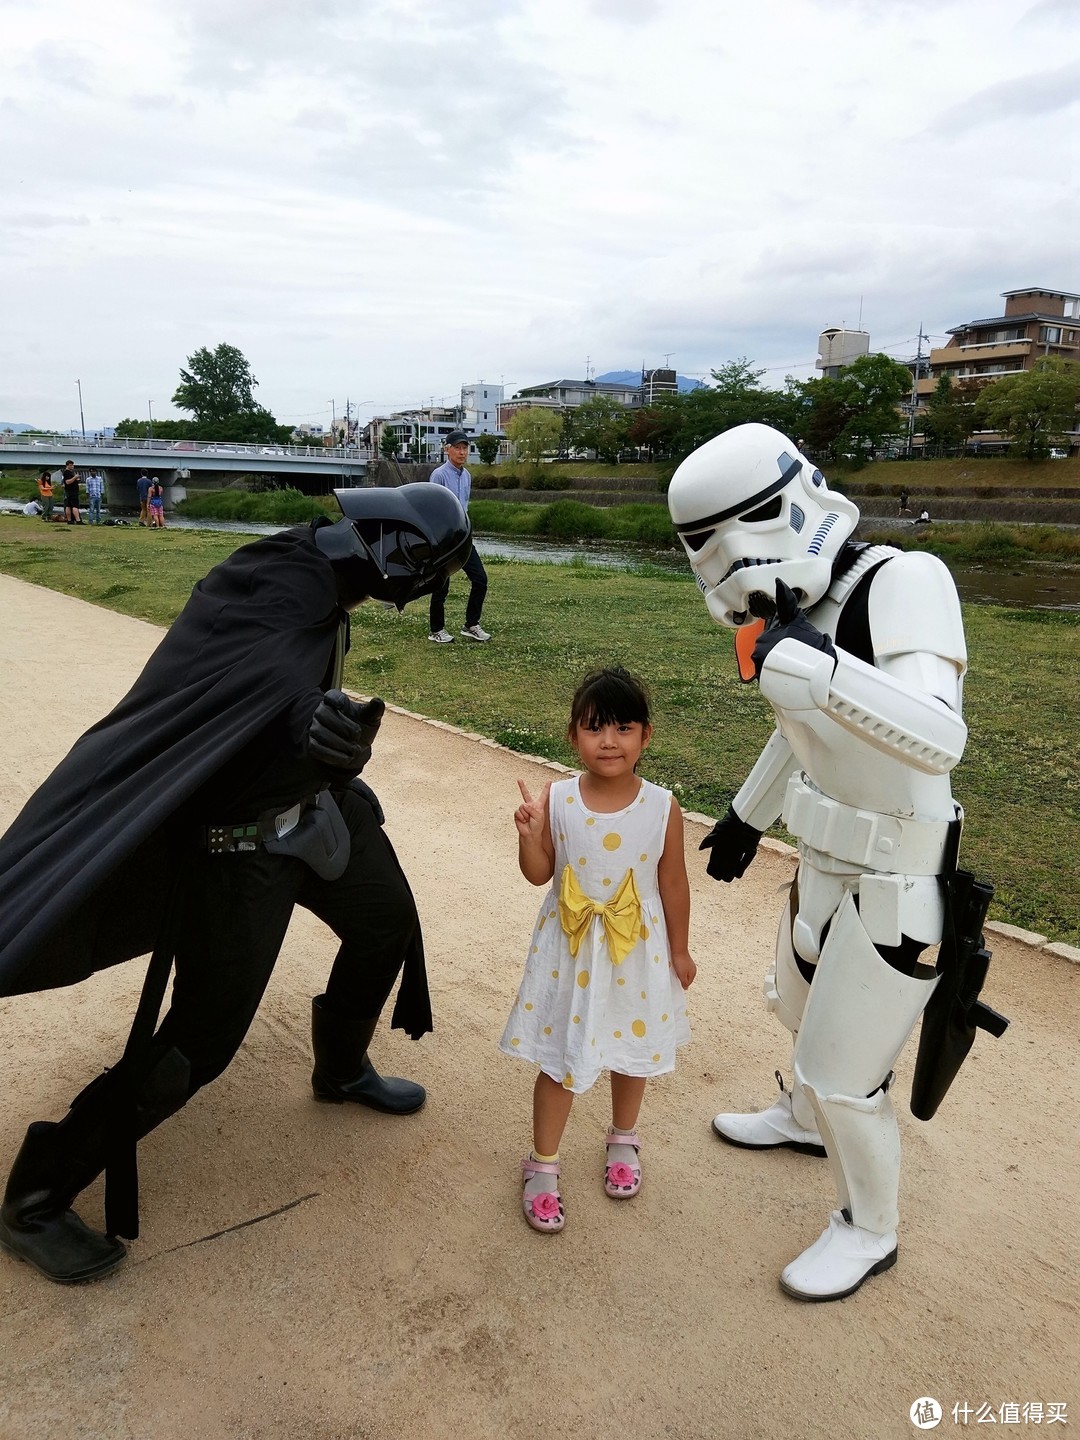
{"x": 105, "y": 445}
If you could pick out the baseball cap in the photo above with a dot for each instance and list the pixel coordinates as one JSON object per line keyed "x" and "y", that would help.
{"x": 457, "y": 437}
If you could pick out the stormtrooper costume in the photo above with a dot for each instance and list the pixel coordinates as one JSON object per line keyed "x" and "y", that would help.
{"x": 862, "y": 660}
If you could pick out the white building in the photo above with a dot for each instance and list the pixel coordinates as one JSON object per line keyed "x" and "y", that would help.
{"x": 837, "y": 347}
{"x": 480, "y": 407}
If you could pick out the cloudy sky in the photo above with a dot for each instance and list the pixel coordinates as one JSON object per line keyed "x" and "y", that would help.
{"x": 378, "y": 200}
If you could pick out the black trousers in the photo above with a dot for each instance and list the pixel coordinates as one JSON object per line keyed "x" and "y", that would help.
{"x": 235, "y": 910}
{"x": 477, "y": 576}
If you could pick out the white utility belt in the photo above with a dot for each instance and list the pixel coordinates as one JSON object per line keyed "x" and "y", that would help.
{"x": 863, "y": 838}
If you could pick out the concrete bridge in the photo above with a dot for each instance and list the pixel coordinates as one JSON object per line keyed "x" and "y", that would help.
{"x": 313, "y": 469}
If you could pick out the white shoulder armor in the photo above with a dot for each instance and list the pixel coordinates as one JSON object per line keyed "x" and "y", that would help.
{"x": 913, "y": 607}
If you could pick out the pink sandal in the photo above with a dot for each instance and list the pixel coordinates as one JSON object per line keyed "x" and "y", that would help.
{"x": 544, "y": 1211}
{"x": 622, "y": 1181}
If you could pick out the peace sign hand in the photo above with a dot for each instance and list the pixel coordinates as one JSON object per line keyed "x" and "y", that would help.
{"x": 530, "y": 816}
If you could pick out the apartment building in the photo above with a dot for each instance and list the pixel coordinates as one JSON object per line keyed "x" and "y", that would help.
{"x": 1036, "y": 322}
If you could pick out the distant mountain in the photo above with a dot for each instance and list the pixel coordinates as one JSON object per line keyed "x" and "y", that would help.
{"x": 18, "y": 429}
{"x": 633, "y": 377}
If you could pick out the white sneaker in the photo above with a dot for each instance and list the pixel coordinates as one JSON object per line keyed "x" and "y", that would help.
{"x": 473, "y": 632}
{"x": 839, "y": 1261}
{"x": 442, "y": 637}
{"x": 770, "y": 1129}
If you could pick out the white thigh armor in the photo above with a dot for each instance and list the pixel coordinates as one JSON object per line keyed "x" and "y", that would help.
{"x": 858, "y": 1015}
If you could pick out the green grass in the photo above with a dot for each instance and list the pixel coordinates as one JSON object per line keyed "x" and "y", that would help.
{"x": 1019, "y": 781}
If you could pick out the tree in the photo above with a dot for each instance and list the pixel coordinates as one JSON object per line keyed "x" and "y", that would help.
{"x": 390, "y": 443}
{"x": 131, "y": 429}
{"x": 948, "y": 419}
{"x": 654, "y": 428}
{"x": 736, "y": 398}
{"x": 534, "y": 431}
{"x": 487, "y": 447}
{"x": 601, "y": 424}
{"x": 218, "y": 385}
{"x": 849, "y": 415}
{"x": 1034, "y": 409}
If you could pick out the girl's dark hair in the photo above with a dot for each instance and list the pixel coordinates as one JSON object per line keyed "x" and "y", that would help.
{"x": 609, "y": 696}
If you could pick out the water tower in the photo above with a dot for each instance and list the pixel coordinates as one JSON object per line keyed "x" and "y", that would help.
{"x": 837, "y": 347}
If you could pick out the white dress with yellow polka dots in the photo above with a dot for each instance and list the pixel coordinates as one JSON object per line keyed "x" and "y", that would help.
{"x": 577, "y": 1016}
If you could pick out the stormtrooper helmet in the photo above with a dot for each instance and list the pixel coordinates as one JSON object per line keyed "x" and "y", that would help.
{"x": 750, "y": 509}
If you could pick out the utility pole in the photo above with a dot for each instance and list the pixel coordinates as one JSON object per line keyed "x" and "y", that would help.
{"x": 82, "y": 422}
{"x": 150, "y": 427}
{"x": 915, "y": 378}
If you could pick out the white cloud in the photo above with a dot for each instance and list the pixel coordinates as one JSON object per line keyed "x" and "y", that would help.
{"x": 386, "y": 198}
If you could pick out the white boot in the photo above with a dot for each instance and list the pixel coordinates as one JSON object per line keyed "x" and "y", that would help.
{"x": 839, "y": 1260}
{"x": 771, "y": 1129}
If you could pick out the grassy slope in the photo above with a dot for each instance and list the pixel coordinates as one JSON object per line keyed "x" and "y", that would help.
{"x": 1019, "y": 782}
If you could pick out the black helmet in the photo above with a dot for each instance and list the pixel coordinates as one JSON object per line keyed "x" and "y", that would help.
{"x": 396, "y": 544}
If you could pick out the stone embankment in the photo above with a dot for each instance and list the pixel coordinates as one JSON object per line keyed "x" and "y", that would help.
{"x": 876, "y": 498}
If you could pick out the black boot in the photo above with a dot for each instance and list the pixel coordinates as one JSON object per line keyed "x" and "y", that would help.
{"x": 343, "y": 1070}
{"x": 37, "y": 1223}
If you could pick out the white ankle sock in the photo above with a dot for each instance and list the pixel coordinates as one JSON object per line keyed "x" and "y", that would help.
{"x": 626, "y": 1153}
{"x": 543, "y": 1180}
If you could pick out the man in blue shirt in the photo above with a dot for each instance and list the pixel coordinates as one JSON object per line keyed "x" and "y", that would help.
{"x": 455, "y": 478}
{"x": 142, "y": 485}
{"x": 95, "y": 493}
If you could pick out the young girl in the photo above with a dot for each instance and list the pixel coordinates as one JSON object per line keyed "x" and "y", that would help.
{"x": 608, "y": 961}
{"x": 156, "y": 504}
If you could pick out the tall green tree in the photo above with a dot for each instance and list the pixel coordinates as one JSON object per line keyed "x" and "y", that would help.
{"x": 534, "y": 431}
{"x": 1034, "y": 409}
{"x": 217, "y": 385}
{"x": 390, "y": 443}
{"x": 218, "y": 390}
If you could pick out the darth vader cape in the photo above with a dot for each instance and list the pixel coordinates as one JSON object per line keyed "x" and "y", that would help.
{"x": 78, "y": 865}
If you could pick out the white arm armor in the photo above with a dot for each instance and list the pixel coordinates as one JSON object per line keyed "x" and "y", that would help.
{"x": 761, "y": 797}
{"x": 907, "y": 724}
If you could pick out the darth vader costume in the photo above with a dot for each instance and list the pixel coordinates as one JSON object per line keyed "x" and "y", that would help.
{"x": 231, "y": 768}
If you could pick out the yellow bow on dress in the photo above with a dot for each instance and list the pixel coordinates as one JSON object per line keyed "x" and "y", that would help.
{"x": 621, "y": 915}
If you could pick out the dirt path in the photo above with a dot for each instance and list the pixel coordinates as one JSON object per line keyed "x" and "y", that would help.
{"x": 396, "y": 1293}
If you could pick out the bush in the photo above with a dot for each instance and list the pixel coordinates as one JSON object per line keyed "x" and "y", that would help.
{"x": 570, "y": 520}
{"x": 282, "y": 507}
{"x": 509, "y": 481}
{"x": 539, "y": 480}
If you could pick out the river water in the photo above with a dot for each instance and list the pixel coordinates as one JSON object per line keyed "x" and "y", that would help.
{"x": 1040, "y": 585}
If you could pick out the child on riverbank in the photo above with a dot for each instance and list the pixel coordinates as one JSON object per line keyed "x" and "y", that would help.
{"x": 155, "y": 501}
{"x": 608, "y": 961}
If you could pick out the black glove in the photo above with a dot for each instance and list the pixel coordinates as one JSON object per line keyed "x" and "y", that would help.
{"x": 788, "y": 623}
{"x": 341, "y": 732}
{"x": 733, "y": 844}
{"x": 364, "y": 790}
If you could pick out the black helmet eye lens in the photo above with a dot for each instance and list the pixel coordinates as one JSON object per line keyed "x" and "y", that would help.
{"x": 769, "y": 511}
{"x": 695, "y": 542}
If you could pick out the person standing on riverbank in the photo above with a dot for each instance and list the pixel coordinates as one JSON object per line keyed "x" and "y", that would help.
{"x": 45, "y": 494}
{"x": 155, "y": 504}
{"x": 95, "y": 493}
{"x": 453, "y": 475}
{"x": 142, "y": 485}
{"x": 69, "y": 478}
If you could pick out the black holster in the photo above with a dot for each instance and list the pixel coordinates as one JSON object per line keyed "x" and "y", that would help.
{"x": 955, "y": 1011}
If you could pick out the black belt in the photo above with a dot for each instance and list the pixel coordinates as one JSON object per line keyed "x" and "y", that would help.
{"x": 247, "y": 835}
